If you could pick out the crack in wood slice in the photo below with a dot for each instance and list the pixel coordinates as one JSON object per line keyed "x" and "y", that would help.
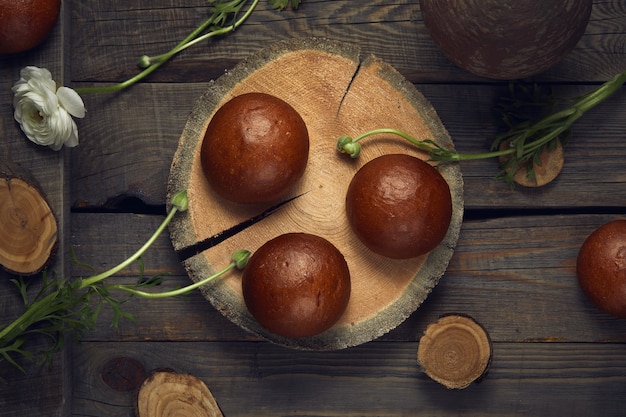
{"x": 337, "y": 92}
{"x": 455, "y": 351}
{"x": 170, "y": 394}
{"x": 28, "y": 227}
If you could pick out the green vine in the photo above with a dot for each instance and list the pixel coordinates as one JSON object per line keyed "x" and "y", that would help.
{"x": 526, "y": 135}
{"x": 61, "y": 307}
{"x": 226, "y": 16}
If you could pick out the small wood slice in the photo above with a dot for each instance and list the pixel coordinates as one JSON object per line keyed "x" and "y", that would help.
{"x": 337, "y": 92}
{"x": 169, "y": 394}
{"x": 455, "y": 351}
{"x": 551, "y": 165}
{"x": 28, "y": 227}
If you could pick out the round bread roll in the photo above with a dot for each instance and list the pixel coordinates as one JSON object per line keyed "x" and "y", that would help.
{"x": 601, "y": 268}
{"x": 399, "y": 206}
{"x": 25, "y": 24}
{"x": 296, "y": 285}
{"x": 255, "y": 149}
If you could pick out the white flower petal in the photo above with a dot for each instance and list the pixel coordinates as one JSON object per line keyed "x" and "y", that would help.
{"x": 45, "y": 101}
{"x": 45, "y": 112}
{"x": 35, "y": 72}
{"x": 71, "y": 101}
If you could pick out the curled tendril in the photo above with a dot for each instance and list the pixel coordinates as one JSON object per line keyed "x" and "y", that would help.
{"x": 347, "y": 145}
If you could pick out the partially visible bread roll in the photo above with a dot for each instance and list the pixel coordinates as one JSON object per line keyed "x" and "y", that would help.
{"x": 24, "y": 24}
{"x": 601, "y": 267}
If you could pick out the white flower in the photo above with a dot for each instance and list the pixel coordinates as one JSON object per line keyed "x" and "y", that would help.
{"x": 44, "y": 111}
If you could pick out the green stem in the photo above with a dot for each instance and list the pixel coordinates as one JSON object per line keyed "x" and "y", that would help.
{"x": 25, "y": 318}
{"x": 179, "y": 202}
{"x": 239, "y": 260}
{"x": 99, "y": 277}
{"x": 155, "y": 62}
{"x": 122, "y": 85}
{"x": 604, "y": 91}
{"x": 59, "y": 304}
{"x": 179, "y": 291}
{"x": 438, "y": 153}
{"x": 549, "y": 128}
{"x": 217, "y": 32}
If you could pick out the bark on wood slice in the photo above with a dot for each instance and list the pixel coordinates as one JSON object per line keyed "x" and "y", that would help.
{"x": 28, "y": 227}
{"x": 336, "y": 91}
{"x": 455, "y": 351}
{"x": 169, "y": 394}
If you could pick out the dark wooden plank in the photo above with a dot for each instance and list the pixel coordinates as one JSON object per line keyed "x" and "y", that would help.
{"x": 49, "y": 168}
{"x": 516, "y": 275}
{"x": 252, "y": 379}
{"x": 593, "y": 174}
{"x": 109, "y": 38}
{"x": 41, "y": 390}
{"x": 134, "y": 158}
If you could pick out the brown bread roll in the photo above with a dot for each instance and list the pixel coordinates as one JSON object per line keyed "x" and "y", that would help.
{"x": 601, "y": 267}
{"x": 399, "y": 206}
{"x": 296, "y": 285}
{"x": 255, "y": 149}
{"x": 25, "y": 24}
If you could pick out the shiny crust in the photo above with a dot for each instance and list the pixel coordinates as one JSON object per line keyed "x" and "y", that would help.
{"x": 399, "y": 206}
{"x": 296, "y": 285}
{"x": 255, "y": 149}
{"x": 601, "y": 268}
{"x": 26, "y": 24}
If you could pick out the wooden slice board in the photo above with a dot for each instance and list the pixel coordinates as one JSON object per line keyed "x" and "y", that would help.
{"x": 336, "y": 91}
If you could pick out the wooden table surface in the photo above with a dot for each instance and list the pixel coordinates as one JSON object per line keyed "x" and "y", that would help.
{"x": 513, "y": 269}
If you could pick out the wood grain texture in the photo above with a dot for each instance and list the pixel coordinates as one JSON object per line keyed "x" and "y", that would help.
{"x": 111, "y": 37}
{"x": 29, "y": 231}
{"x": 513, "y": 269}
{"x": 515, "y": 275}
{"x": 41, "y": 391}
{"x": 148, "y": 119}
{"x": 172, "y": 394}
{"x": 376, "y": 379}
{"x": 133, "y": 159}
{"x": 328, "y": 84}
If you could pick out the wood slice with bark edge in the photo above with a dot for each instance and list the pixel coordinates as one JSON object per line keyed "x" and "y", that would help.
{"x": 455, "y": 351}
{"x": 171, "y": 394}
{"x": 336, "y": 91}
{"x": 28, "y": 226}
{"x": 552, "y": 162}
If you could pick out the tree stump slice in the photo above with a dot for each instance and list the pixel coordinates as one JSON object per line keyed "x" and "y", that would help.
{"x": 455, "y": 351}
{"x": 336, "y": 91}
{"x": 169, "y": 394}
{"x": 28, "y": 227}
{"x": 550, "y": 165}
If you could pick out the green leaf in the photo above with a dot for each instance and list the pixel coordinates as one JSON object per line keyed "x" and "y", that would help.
{"x": 76, "y": 262}
{"x": 283, "y": 4}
